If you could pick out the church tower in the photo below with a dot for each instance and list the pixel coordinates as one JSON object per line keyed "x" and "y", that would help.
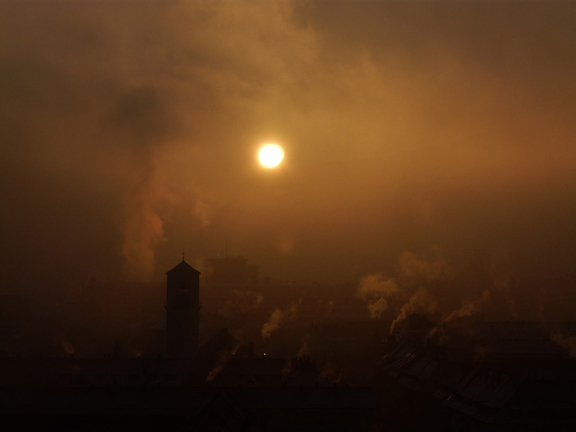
{"x": 182, "y": 310}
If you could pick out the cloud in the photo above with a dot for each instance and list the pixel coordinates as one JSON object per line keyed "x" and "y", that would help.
{"x": 129, "y": 129}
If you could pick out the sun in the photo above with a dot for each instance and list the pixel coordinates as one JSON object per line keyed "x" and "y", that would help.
{"x": 270, "y": 155}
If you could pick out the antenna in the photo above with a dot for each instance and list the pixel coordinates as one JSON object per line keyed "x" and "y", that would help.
{"x": 226, "y": 248}
{"x": 183, "y": 253}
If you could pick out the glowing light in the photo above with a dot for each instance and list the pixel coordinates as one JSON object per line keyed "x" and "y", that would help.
{"x": 270, "y": 155}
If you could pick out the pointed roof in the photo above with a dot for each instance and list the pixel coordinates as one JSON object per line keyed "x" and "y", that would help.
{"x": 183, "y": 267}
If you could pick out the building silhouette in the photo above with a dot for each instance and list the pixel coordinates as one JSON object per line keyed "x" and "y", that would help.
{"x": 182, "y": 310}
{"x": 219, "y": 386}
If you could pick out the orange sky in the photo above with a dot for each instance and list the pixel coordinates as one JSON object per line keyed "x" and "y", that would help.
{"x": 129, "y": 130}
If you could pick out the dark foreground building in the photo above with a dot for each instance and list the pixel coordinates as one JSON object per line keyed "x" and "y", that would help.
{"x": 499, "y": 377}
{"x": 182, "y": 311}
{"x": 219, "y": 386}
{"x": 160, "y": 394}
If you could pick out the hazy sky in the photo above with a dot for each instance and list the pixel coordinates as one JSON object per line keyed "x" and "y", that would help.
{"x": 129, "y": 130}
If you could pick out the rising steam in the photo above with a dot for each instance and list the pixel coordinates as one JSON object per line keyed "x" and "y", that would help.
{"x": 277, "y": 317}
{"x": 273, "y": 323}
{"x": 568, "y": 342}
{"x": 140, "y": 119}
{"x": 375, "y": 290}
{"x": 420, "y": 302}
{"x": 142, "y": 232}
{"x": 222, "y": 361}
{"x": 469, "y": 308}
{"x": 66, "y": 345}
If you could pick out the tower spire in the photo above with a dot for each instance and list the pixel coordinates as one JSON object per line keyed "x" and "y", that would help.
{"x": 183, "y": 253}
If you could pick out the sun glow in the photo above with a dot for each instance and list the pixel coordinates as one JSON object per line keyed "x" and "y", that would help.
{"x": 270, "y": 155}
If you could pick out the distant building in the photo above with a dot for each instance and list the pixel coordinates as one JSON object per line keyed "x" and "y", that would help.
{"x": 182, "y": 310}
{"x": 232, "y": 271}
{"x": 225, "y": 387}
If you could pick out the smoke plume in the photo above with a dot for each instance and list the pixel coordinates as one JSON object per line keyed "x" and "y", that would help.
{"x": 420, "y": 302}
{"x": 142, "y": 232}
{"x": 66, "y": 345}
{"x": 277, "y": 317}
{"x": 469, "y": 308}
{"x": 303, "y": 351}
{"x": 287, "y": 368}
{"x": 377, "y": 308}
{"x": 214, "y": 372}
{"x": 330, "y": 372}
{"x": 140, "y": 118}
{"x": 273, "y": 323}
{"x": 375, "y": 290}
{"x": 568, "y": 342}
{"x": 222, "y": 361}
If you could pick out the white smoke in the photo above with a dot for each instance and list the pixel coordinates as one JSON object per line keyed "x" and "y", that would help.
{"x": 420, "y": 302}
{"x": 273, "y": 323}
{"x": 375, "y": 290}
{"x": 277, "y": 317}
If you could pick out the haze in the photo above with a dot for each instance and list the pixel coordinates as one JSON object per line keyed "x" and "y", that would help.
{"x": 128, "y": 132}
